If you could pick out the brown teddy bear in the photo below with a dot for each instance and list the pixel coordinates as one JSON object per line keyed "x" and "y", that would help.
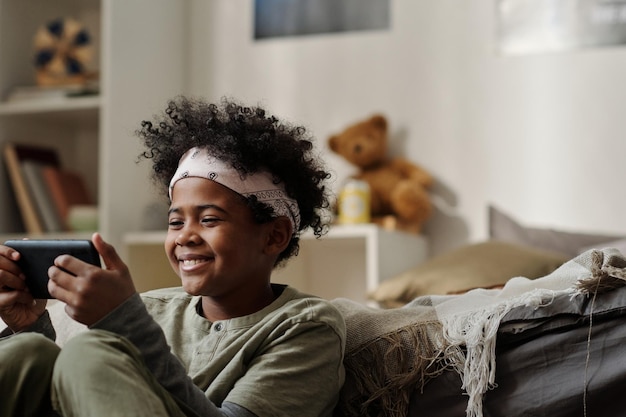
{"x": 399, "y": 189}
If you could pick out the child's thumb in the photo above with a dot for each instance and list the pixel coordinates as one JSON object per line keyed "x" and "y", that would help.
{"x": 108, "y": 253}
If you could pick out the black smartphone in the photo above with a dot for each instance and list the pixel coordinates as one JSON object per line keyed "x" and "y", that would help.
{"x": 37, "y": 256}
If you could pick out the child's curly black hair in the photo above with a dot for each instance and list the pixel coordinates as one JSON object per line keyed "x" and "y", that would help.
{"x": 249, "y": 139}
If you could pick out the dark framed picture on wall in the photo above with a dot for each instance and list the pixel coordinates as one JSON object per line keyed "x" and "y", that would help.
{"x": 280, "y": 18}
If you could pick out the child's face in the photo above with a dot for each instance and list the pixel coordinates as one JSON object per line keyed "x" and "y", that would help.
{"x": 212, "y": 241}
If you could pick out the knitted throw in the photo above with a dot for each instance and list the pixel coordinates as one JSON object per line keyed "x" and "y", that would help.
{"x": 391, "y": 353}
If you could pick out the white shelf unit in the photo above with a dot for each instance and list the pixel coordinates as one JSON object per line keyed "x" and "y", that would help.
{"x": 351, "y": 261}
{"x": 141, "y": 61}
{"x": 347, "y": 262}
{"x": 51, "y": 108}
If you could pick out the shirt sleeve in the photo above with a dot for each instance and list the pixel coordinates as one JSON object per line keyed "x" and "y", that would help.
{"x": 43, "y": 325}
{"x": 133, "y": 321}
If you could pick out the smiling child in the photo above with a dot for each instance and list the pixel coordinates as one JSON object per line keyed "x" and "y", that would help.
{"x": 242, "y": 187}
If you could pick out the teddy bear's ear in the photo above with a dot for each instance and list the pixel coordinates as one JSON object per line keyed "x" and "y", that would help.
{"x": 379, "y": 121}
{"x": 333, "y": 142}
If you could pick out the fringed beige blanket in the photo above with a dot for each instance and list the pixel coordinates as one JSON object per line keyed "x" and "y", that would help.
{"x": 392, "y": 353}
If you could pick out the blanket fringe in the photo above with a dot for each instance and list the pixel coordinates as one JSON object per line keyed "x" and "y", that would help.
{"x": 477, "y": 333}
{"x": 411, "y": 359}
{"x": 604, "y": 276}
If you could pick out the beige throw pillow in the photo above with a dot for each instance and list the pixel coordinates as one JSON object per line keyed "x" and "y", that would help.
{"x": 480, "y": 265}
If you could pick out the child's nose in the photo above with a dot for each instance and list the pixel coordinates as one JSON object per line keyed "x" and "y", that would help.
{"x": 187, "y": 236}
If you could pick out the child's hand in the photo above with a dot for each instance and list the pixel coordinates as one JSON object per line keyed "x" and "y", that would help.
{"x": 18, "y": 309}
{"x": 90, "y": 292}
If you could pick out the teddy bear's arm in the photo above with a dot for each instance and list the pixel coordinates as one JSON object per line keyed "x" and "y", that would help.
{"x": 410, "y": 170}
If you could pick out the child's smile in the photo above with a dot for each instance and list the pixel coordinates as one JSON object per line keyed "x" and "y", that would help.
{"x": 189, "y": 262}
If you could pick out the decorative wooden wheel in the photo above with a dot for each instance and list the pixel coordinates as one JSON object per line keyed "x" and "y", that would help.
{"x": 62, "y": 52}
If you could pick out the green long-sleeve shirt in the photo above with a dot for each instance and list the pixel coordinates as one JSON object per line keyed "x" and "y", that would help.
{"x": 286, "y": 359}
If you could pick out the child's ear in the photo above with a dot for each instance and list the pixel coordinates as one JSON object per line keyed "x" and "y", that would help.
{"x": 279, "y": 235}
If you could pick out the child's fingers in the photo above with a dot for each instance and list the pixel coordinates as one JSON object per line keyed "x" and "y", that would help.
{"x": 61, "y": 284}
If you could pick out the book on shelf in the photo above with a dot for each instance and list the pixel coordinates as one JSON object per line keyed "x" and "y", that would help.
{"x": 14, "y": 154}
{"x": 43, "y": 189}
{"x": 67, "y": 189}
{"x": 42, "y": 197}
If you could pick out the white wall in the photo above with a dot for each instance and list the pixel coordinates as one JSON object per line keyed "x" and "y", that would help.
{"x": 540, "y": 136}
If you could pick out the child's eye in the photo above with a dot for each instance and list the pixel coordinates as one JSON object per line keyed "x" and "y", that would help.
{"x": 209, "y": 220}
{"x": 174, "y": 223}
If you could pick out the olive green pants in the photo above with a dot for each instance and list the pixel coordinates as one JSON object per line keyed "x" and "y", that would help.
{"x": 97, "y": 373}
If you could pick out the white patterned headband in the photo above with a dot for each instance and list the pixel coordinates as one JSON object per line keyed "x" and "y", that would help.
{"x": 197, "y": 162}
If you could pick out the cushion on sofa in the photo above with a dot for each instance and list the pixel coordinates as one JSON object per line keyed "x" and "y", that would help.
{"x": 485, "y": 265}
{"x": 505, "y": 228}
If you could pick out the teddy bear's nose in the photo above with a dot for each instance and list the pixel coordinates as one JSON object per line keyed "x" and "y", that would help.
{"x": 358, "y": 149}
